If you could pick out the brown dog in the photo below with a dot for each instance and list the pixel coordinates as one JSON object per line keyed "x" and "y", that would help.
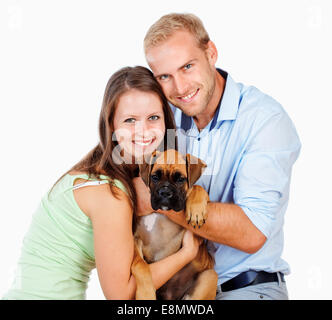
{"x": 170, "y": 177}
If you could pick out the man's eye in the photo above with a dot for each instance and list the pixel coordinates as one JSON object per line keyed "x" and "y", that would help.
{"x": 154, "y": 118}
{"x": 188, "y": 66}
{"x": 130, "y": 120}
{"x": 163, "y": 77}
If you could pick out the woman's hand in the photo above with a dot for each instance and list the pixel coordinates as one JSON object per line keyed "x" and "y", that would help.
{"x": 191, "y": 243}
{"x": 143, "y": 197}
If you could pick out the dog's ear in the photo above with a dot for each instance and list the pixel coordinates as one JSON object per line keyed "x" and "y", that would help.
{"x": 146, "y": 167}
{"x": 144, "y": 172}
{"x": 195, "y": 168}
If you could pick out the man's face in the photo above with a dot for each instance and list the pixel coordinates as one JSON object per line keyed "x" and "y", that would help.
{"x": 185, "y": 71}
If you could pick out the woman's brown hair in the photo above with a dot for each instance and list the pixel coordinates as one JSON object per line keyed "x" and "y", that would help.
{"x": 99, "y": 160}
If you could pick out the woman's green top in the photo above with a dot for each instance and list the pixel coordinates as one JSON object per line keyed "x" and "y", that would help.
{"x": 58, "y": 250}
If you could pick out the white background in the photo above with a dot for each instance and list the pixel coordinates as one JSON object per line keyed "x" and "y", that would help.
{"x": 55, "y": 60}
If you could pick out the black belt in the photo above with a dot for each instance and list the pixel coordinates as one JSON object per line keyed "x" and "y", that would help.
{"x": 249, "y": 278}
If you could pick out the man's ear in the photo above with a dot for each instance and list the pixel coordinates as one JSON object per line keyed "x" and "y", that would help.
{"x": 195, "y": 168}
{"x": 146, "y": 167}
{"x": 211, "y": 52}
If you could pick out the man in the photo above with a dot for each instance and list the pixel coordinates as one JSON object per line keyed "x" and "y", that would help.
{"x": 249, "y": 144}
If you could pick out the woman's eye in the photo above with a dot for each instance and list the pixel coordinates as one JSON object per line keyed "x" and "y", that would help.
{"x": 130, "y": 120}
{"x": 154, "y": 118}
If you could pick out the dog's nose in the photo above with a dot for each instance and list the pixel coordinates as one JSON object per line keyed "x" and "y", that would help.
{"x": 165, "y": 192}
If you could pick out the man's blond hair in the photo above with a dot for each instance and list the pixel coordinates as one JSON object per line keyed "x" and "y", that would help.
{"x": 170, "y": 23}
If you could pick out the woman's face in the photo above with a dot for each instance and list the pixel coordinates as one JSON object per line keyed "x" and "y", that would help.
{"x": 139, "y": 123}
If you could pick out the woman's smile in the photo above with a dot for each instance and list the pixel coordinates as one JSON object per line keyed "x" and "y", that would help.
{"x": 144, "y": 143}
{"x": 139, "y": 123}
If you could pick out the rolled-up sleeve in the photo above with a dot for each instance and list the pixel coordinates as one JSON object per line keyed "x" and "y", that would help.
{"x": 261, "y": 185}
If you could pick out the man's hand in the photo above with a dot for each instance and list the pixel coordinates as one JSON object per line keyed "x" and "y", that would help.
{"x": 143, "y": 197}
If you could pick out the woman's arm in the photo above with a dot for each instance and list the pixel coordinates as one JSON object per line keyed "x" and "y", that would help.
{"x": 114, "y": 244}
{"x": 163, "y": 270}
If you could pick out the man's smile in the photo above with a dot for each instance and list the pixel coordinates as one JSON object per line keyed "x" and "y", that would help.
{"x": 188, "y": 98}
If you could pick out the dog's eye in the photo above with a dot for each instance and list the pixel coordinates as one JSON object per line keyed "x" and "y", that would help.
{"x": 155, "y": 178}
{"x": 181, "y": 180}
{"x": 178, "y": 178}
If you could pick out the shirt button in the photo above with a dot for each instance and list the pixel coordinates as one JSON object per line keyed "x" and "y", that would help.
{"x": 199, "y": 139}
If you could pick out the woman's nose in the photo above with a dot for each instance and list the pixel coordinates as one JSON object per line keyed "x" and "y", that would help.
{"x": 141, "y": 127}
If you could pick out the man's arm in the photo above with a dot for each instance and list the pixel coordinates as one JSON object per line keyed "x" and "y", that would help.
{"x": 226, "y": 224}
{"x": 261, "y": 186}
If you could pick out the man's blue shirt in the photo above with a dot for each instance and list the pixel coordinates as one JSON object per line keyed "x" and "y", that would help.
{"x": 249, "y": 147}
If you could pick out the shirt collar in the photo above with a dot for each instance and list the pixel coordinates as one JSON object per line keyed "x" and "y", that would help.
{"x": 227, "y": 107}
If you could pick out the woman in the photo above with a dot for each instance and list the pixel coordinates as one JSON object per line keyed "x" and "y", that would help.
{"x": 85, "y": 221}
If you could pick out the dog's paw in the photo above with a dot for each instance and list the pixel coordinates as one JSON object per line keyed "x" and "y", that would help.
{"x": 196, "y": 214}
{"x": 196, "y": 206}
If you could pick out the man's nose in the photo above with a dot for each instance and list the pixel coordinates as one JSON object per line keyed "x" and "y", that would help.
{"x": 180, "y": 86}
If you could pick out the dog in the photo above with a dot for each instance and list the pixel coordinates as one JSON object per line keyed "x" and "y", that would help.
{"x": 170, "y": 177}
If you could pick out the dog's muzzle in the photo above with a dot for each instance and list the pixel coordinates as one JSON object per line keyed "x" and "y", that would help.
{"x": 167, "y": 197}
{"x": 165, "y": 193}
